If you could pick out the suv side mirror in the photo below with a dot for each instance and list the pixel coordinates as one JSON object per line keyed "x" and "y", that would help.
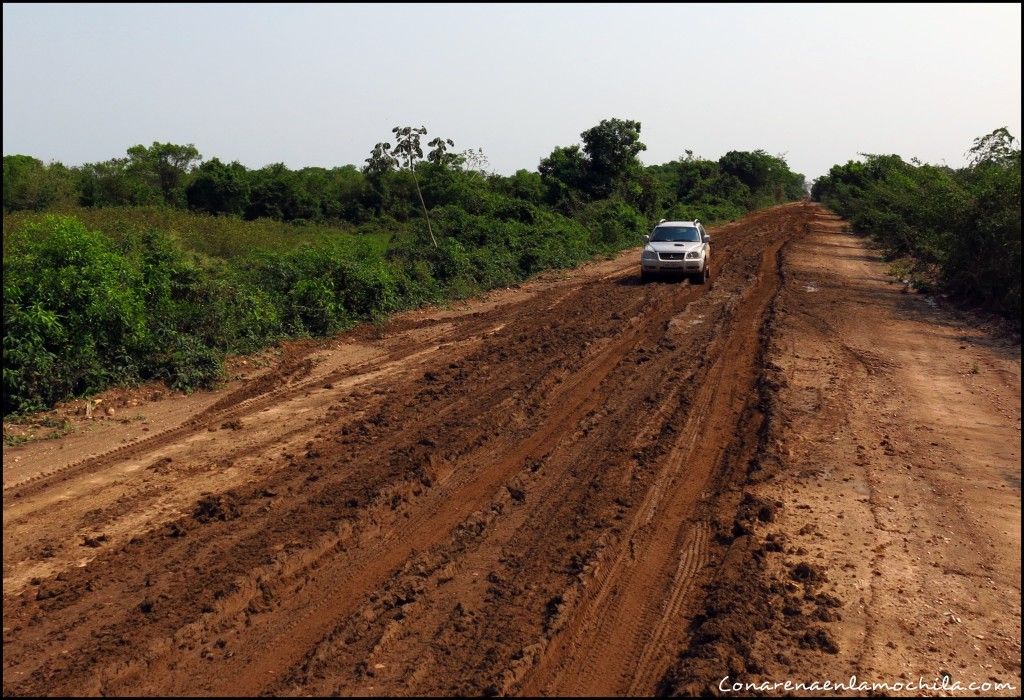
{"x": 647, "y": 238}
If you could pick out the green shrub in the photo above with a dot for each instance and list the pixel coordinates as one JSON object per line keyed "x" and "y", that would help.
{"x": 72, "y": 304}
{"x": 185, "y": 362}
{"x": 31, "y": 367}
{"x": 613, "y": 224}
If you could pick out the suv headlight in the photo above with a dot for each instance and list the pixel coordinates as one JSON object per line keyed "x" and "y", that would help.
{"x": 693, "y": 255}
{"x": 650, "y": 255}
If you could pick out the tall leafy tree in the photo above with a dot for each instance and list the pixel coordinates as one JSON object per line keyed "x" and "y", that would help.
{"x": 409, "y": 152}
{"x": 381, "y": 162}
{"x": 994, "y": 148}
{"x": 563, "y": 172}
{"x": 612, "y": 148}
{"x": 165, "y": 165}
{"x": 219, "y": 188}
{"x": 750, "y": 167}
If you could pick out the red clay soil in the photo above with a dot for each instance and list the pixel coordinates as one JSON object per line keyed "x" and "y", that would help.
{"x": 548, "y": 491}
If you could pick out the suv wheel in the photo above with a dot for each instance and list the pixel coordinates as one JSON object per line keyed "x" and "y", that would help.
{"x": 702, "y": 276}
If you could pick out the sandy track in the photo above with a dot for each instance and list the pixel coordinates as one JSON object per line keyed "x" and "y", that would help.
{"x": 526, "y": 495}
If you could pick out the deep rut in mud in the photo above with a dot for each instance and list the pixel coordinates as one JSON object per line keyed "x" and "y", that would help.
{"x": 527, "y": 503}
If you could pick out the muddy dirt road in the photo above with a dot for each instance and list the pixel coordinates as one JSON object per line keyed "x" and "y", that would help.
{"x": 536, "y": 493}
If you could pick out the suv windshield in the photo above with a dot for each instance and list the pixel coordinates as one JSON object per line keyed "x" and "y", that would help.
{"x": 675, "y": 234}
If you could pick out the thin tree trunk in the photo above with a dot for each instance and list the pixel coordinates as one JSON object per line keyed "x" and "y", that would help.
{"x": 426, "y": 216}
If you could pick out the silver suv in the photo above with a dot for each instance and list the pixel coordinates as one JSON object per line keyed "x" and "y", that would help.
{"x": 680, "y": 247}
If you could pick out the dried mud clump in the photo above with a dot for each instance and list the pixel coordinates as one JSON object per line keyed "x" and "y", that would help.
{"x": 210, "y": 508}
{"x": 94, "y": 541}
{"x": 753, "y": 510}
{"x": 807, "y": 573}
{"x": 819, "y": 638}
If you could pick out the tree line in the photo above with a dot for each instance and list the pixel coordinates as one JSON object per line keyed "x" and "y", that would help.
{"x": 605, "y": 164}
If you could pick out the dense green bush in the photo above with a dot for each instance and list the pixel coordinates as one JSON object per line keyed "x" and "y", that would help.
{"x": 962, "y": 227}
{"x": 31, "y": 185}
{"x": 613, "y": 224}
{"x": 74, "y": 316}
{"x": 164, "y": 264}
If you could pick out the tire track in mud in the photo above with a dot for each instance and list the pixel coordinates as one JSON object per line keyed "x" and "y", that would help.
{"x": 527, "y": 481}
{"x": 571, "y": 403}
{"x": 693, "y": 558}
{"x": 610, "y": 648}
{"x": 467, "y": 525}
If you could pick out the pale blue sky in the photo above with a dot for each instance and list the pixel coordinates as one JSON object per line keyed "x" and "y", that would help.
{"x": 319, "y": 85}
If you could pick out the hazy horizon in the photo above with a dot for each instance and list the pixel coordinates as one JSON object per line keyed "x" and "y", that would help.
{"x": 312, "y": 85}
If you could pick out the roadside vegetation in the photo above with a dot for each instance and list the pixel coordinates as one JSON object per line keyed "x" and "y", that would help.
{"x": 156, "y": 265}
{"x": 957, "y": 230}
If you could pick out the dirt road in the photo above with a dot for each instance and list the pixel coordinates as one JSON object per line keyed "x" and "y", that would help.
{"x": 550, "y": 491}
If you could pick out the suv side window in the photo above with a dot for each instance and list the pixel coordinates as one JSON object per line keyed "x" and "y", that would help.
{"x": 703, "y": 233}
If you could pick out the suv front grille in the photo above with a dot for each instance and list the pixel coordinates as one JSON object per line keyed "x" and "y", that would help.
{"x": 672, "y": 256}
